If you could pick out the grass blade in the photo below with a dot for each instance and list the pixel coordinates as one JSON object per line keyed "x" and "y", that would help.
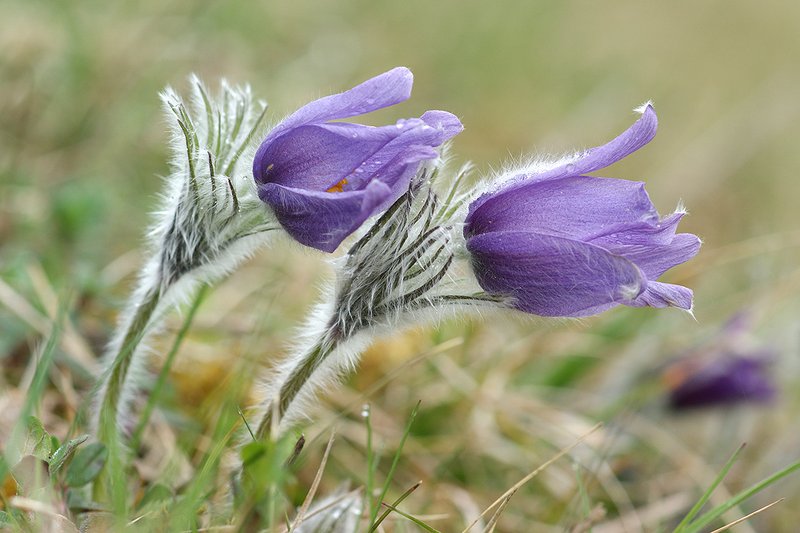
{"x": 707, "y": 494}
{"x": 531, "y": 475}
{"x": 407, "y": 516}
{"x": 726, "y": 527}
{"x": 719, "y": 510}
{"x": 164, "y": 373}
{"x": 301, "y": 514}
{"x": 395, "y": 461}
{"x": 395, "y": 503}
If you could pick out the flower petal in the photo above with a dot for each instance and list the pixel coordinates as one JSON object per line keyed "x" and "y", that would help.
{"x": 414, "y": 143}
{"x": 658, "y": 294}
{"x": 578, "y": 207}
{"x": 645, "y": 233}
{"x": 316, "y": 157}
{"x": 323, "y": 220}
{"x": 319, "y": 156}
{"x": 443, "y": 121}
{"x": 640, "y": 133}
{"x": 655, "y": 260}
{"x": 553, "y": 276}
{"x": 384, "y": 90}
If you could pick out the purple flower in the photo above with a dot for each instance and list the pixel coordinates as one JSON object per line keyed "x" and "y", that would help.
{"x": 561, "y": 243}
{"x": 323, "y": 179}
{"x": 726, "y": 379}
{"x": 730, "y": 368}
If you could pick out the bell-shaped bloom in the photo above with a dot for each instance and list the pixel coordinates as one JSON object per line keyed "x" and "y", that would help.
{"x": 561, "y": 243}
{"x": 730, "y": 368}
{"x": 323, "y": 179}
{"x": 724, "y": 380}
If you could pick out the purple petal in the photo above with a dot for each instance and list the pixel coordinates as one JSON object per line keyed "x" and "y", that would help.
{"x": 323, "y": 220}
{"x": 384, "y": 90}
{"x": 644, "y": 233}
{"x": 553, "y": 276}
{"x": 413, "y": 134}
{"x": 578, "y": 207}
{"x": 443, "y": 121}
{"x": 657, "y": 294}
{"x": 725, "y": 380}
{"x": 640, "y": 133}
{"x": 316, "y": 157}
{"x": 655, "y": 260}
{"x": 319, "y": 156}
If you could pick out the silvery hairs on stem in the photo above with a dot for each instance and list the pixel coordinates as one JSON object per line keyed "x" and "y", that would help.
{"x": 401, "y": 271}
{"x": 209, "y": 221}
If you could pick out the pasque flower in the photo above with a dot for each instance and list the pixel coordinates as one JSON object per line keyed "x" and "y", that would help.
{"x": 323, "y": 179}
{"x": 561, "y": 243}
{"x": 727, "y": 379}
{"x": 730, "y": 368}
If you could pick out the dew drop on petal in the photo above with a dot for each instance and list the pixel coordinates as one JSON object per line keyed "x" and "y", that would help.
{"x": 570, "y": 168}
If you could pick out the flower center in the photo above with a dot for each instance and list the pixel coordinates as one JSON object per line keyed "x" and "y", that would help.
{"x": 339, "y": 187}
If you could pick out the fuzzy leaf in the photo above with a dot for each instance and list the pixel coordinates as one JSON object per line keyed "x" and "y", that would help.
{"x": 63, "y": 454}
{"x": 86, "y": 465}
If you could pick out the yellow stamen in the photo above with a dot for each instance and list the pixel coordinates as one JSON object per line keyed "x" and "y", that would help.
{"x": 339, "y": 187}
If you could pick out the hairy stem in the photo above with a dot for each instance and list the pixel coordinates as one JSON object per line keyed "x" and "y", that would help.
{"x": 110, "y": 485}
{"x": 297, "y": 379}
{"x": 117, "y": 372}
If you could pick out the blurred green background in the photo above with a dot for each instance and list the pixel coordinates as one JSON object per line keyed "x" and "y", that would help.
{"x": 82, "y": 145}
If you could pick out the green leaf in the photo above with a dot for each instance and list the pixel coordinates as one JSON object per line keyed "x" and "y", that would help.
{"x": 63, "y": 454}
{"x": 37, "y": 441}
{"x": 86, "y": 465}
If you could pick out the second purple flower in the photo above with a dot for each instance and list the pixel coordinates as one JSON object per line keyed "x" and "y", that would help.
{"x": 561, "y": 243}
{"x": 323, "y": 179}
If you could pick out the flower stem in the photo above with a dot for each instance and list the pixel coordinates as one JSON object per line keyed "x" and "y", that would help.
{"x": 110, "y": 485}
{"x": 117, "y": 373}
{"x": 297, "y": 379}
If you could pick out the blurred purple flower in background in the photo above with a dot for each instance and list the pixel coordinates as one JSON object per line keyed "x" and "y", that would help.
{"x": 725, "y": 380}
{"x": 729, "y": 369}
{"x": 324, "y": 179}
{"x": 561, "y": 243}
